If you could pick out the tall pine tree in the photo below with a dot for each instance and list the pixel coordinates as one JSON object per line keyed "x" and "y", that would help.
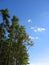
{"x": 13, "y": 41}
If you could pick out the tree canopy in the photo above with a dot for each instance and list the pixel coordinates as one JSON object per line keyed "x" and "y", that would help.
{"x": 13, "y": 41}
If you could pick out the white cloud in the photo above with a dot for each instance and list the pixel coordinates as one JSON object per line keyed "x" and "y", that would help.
{"x": 29, "y": 20}
{"x": 32, "y": 28}
{"x": 35, "y": 30}
{"x": 31, "y": 37}
{"x": 38, "y": 29}
{"x": 34, "y": 37}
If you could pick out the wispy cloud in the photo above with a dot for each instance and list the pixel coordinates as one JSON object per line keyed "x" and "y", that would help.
{"x": 34, "y": 37}
{"x": 29, "y": 20}
{"x": 32, "y": 27}
{"x": 38, "y": 29}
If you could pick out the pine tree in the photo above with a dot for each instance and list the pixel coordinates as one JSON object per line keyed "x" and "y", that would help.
{"x": 13, "y": 41}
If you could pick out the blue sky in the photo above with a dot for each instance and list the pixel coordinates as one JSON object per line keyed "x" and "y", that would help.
{"x": 34, "y": 15}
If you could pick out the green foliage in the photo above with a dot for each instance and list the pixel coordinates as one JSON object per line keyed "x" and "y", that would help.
{"x": 13, "y": 41}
